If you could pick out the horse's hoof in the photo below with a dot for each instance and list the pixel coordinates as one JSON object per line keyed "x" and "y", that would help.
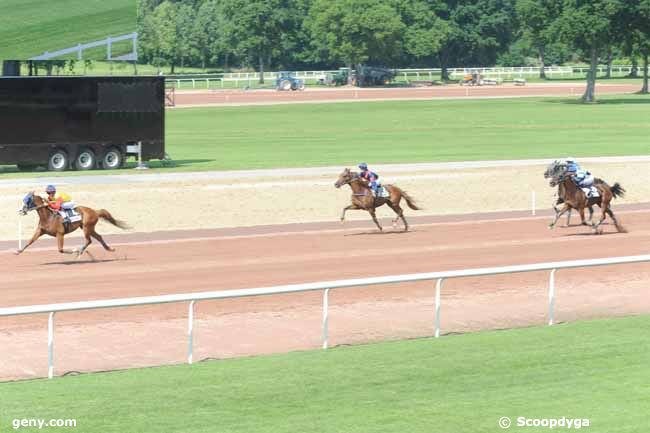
{"x": 17, "y": 252}
{"x": 111, "y": 249}
{"x": 551, "y": 226}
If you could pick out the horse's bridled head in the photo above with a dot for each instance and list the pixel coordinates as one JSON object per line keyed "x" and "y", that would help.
{"x": 344, "y": 178}
{"x": 28, "y": 203}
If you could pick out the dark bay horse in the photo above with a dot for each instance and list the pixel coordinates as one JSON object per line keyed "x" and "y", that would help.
{"x": 363, "y": 199}
{"x": 554, "y": 167}
{"x": 574, "y": 198}
{"x": 51, "y": 223}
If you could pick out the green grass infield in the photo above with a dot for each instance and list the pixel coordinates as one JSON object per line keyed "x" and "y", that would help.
{"x": 594, "y": 370}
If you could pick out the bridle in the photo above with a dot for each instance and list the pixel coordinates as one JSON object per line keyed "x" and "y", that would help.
{"x": 30, "y": 206}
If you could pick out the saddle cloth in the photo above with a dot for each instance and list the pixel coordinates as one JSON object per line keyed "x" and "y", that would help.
{"x": 72, "y": 215}
{"x": 382, "y": 192}
{"x": 591, "y": 192}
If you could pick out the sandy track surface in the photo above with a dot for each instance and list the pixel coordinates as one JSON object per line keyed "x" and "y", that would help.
{"x": 217, "y": 200}
{"x": 129, "y": 337}
{"x": 351, "y": 94}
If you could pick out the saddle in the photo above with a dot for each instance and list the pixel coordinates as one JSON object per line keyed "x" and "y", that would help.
{"x": 381, "y": 193}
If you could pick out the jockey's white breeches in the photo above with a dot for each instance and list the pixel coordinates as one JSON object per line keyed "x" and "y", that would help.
{"x": 67, "y": 205}
{"x": 587, "y": 181}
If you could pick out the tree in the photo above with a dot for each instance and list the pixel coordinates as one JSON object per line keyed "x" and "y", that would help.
{"x": 479, "y": 30}
{"x": 536, "y": 18}
{"x": 356, "y": 31}
{"x": 425, "y": 31}
{"x": 258, "y": 29}
{"x": 590, "y": 25}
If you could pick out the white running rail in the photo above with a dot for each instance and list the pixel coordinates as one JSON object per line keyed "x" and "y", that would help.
{"x": 193, "y": 298}
{"x": 109, "y": 41}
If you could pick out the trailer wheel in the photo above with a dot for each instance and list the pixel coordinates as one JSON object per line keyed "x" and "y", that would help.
{"x": 113, "y": 159}
{"x": 58, "y": 161}
{"x": 86, "y": 160}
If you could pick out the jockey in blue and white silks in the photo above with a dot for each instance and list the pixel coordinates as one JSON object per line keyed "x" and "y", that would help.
{"x": 371, "y": 177}
{"x": 581, "y": 177}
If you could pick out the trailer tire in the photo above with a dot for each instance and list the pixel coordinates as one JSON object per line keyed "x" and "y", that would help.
{"x": 112, "y": 159}
{"x": 86, "y": 160}
{"x": 58, "y": 161}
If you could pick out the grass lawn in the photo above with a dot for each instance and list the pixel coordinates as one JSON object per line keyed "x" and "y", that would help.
{"x": 30, "y": 27}
{"x": 402, "y": 131}
{"x": 407, "y": 131}
{"x": 595, "y": 370}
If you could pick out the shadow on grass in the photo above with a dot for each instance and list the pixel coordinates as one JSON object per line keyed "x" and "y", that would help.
{"x": 174, "y": 163}
{"x": 639, "y": 100}
{"x": 12, "y": 169}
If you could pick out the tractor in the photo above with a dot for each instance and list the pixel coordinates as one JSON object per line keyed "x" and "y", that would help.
{"x": 339, "y": 78}
{"x": 286, "y": 81}
{"x": 373, "y": 76}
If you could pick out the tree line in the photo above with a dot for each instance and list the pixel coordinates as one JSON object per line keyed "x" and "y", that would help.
{"x": 325, "y": 34}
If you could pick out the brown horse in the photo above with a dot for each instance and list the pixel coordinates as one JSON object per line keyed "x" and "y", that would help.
{"x": 575, "y": 198}
{"x": 362, "y": 198}
{"x": 553, "y": 168}
{"x": 51, "y": 223}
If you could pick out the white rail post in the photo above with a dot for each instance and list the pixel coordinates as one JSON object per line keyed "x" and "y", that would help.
{"x": 438, "y": 287}
{"x": 533, "y": 199}
{"x": 190, "y": 333}
{"x": 50, "y": 346}
{"x": 551, "y": 297}
{"x": 326, "y": 318}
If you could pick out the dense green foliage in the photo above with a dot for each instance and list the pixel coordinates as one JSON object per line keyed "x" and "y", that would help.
{"x": 315, "y": 34}
{"x": 595, "y": 370}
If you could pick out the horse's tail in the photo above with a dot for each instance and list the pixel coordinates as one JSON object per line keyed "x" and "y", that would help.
{"x": 618, "y": 190}
{"x": 106, "y": 215}
{"x": 410, "y": 201}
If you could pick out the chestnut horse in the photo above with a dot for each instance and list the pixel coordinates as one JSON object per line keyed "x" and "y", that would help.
{"x": 575, "y": 198}
{"x": 362, "y": 198}
{"x": 51, "y": 223}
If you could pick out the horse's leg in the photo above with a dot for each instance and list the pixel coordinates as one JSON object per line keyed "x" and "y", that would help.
{"x": 374, "y": 218}
{"x": 87, "y": 234}
{"x": 565, "y": 208}
{"x": 400, "y": 214}
{"x": 604, "y": 205}
{"x": 347, "y": 208}
{"x": 101, "y": 241}
{"x": 618, "y": 225}
{"x": 37, "y": 234}
{"x": 59, "y": 241}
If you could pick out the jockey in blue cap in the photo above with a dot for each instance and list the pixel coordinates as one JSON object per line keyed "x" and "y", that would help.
{"x": 371, "y": 177}
{"x": 581, "y": 177}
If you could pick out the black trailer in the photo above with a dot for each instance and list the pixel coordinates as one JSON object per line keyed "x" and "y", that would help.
{"x": 80, "y": 122}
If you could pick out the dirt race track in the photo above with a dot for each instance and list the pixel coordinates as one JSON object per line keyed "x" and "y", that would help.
{"x": 197, "y": 98}
{"x": 191, "y": 261}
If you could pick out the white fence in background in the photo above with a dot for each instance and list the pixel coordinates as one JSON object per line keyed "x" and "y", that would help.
{"x": 250, "y": 79}
{"x": 326, "y": 286}
{"x": 109, "y": 41}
